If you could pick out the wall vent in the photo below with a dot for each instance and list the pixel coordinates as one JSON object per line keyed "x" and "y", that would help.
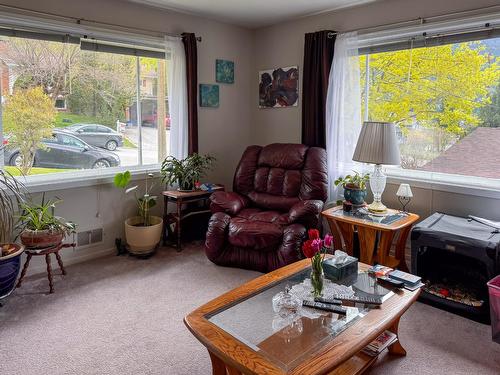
{"x": 89, "y": 237}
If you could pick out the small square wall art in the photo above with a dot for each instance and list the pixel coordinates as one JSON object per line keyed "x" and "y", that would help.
{"x": 209, "y": 95}
{"x": 224, "y": 71}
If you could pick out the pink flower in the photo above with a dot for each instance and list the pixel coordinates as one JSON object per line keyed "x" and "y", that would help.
{"x": 329, "y": 241}
{"x": 316, "y": 245}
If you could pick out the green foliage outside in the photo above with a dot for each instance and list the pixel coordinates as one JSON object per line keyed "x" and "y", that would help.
{"x": 490, "y": 113}
{"x": 14, "y": 171}
{"x": 435, "y": 95}
{"x": 28, "y": 117}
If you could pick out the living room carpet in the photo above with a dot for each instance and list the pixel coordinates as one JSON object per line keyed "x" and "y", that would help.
{"x": 121, "y": 315}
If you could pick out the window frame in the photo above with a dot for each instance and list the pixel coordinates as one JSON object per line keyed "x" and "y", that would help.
{"x": 386, "y": 40}
{"x": 51, "y": 29}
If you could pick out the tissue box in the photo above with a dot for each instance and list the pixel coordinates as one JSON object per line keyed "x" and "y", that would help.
{"x": 339, "y": 272}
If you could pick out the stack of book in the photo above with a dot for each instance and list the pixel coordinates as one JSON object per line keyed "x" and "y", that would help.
{"x": 380, "y": 343}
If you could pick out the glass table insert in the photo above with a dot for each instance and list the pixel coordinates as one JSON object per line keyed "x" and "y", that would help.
{"x": 289, "y": 341}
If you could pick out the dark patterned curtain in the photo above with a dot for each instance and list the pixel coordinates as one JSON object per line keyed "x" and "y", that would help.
{"x": 318, "y": 56}
{"x": 189, "y": 41}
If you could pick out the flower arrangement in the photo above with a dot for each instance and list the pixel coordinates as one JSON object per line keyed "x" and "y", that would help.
{"x": 315, "y": 249}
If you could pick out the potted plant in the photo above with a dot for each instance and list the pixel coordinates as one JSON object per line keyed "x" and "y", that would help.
{"x": 186, "y": 172}
{"x": 12, "y": 193}
{"x": 354, "y": 187}
{"x": 142, "y": 232}
{"x": 40, "y": 227}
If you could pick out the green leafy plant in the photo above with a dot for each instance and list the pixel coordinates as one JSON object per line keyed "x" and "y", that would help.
{"x": 356, "y": 180}
{"x": 38, "y": 217}
{"x": 186, "y": 172}
{"x": 12, "y": 194}
{"x": 145, "y": 201}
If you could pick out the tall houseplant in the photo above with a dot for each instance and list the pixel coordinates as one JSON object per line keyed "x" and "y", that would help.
{"x": 186, "y": 172}
{"x": 12, "y": 194}
{"x": 142, "y": 232}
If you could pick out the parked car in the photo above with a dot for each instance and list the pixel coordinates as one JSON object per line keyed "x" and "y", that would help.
{"x": 97, "y": 135}
{"x": 64, "y": 150}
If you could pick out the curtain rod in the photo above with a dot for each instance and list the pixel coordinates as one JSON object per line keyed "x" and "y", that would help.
{"x": 80, "y": 21}
{"x": 416, "y": 21}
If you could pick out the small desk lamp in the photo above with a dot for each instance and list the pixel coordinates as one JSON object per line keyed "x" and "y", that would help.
{"x": 404, "y": 195}
{"x": 377, "y": 144}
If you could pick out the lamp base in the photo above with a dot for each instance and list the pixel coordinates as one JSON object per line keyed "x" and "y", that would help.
{"x": 377, "y": 207}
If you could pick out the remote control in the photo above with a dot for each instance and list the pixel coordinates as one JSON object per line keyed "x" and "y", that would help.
{"x": 391, "y": 282}
{"x": 324, "y": 306}
{"x": 357, "y": 299}
{"x": 330, "y": 301}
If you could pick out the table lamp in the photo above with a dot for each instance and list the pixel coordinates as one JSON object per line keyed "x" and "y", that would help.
{"x": 404, "y": 195}
{"x": 377, "y": 144}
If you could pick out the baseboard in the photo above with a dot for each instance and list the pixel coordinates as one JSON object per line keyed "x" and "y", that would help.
{"x": 36, "y": 268}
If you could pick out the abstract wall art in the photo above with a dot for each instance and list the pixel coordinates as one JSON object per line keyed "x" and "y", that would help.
{"x": 224, "y": 71}
{"x": 209, "y": 95}
{"x": 279, "y": 87}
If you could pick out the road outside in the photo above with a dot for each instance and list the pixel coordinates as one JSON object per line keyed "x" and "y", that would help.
{"x": 129, "y": 156}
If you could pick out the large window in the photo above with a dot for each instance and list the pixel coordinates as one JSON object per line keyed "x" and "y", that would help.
{"x": 70, "y": 106}
{"x": 445, "y": 101}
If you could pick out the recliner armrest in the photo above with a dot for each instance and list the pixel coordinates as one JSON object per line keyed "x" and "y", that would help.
{"x": 305, "y": 211}
{"x": 228, "y": 202}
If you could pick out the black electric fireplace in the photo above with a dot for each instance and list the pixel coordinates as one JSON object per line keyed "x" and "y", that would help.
{"x": 456, "y": 257}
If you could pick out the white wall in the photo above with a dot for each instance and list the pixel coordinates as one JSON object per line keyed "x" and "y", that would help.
{"x": 283, "y": 45}
{"x": 223, "y": 132}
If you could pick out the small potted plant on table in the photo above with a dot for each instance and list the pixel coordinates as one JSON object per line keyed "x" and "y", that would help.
{"x": 41, "y": 228}
{"x": 142, "y": 232}
{"x": 354, "y": 187}
{"x": 186, "y": 172}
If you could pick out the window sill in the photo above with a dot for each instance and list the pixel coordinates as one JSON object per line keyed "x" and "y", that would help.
{"x": 466, "y": 185}
{"x": 83, "y": 178}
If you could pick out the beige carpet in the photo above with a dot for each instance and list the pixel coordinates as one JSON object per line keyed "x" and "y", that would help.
{"x": 120, "y": 315}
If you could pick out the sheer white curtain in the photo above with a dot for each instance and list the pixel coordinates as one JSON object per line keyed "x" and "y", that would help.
{"x": 343, "y": 111}
{"x": 177, "y": 98}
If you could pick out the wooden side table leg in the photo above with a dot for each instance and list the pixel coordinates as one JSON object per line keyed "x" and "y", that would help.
{"x": 401, "y": 247}
{"x": 25, "y": 269}
{"x": 218, "y": 366}
{"x": 396, "y": 348}
{"x": 178, "y": 227}
{"x": 49, "y": 273}
{"x": 367, "y": 238}
{"x": 165, "y": 221}
{"x": 384, "y": 246}
{"x": 59, "y": 261}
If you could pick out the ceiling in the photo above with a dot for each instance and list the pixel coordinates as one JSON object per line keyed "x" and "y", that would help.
{"x": 252, "y": 13}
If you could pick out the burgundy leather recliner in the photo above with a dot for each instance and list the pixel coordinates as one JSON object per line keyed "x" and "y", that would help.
{"x": 278, "y": 193}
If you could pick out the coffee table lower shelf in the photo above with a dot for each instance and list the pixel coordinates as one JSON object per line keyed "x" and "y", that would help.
{"x": 357, "y": 364}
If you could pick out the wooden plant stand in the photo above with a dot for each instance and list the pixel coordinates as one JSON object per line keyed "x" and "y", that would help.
{"x": 45, "y": 251}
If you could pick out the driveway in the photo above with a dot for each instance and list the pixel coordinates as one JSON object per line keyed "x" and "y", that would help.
{"x": 129, "y": 156}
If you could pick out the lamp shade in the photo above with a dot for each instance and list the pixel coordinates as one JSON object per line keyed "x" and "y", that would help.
{"x": 377, "y": 144}
{"x": 404, "y": 191}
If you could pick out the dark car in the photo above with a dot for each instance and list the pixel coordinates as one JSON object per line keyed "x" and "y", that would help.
{"x": 97, "y": 135}
{"x": 64, "y": 150}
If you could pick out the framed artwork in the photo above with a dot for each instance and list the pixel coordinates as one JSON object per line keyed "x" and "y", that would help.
{"x": 224, "y": 71}
{"x": 279, "y": 87}
{"x": 209, "y": 95}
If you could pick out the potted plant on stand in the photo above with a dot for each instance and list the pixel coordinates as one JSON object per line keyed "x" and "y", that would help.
{"x": 354, "y": 187}
{"x": 186, "y": 172}
{"x": 40, "y": 227}
{"x": 12, "y": 193}
{"x": 142, "y": 232}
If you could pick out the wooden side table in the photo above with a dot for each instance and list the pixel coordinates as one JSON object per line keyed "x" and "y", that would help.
{"x": 371, "y": 233}
{"x": 45, "y": 251}
{"x": 180, "y": 198}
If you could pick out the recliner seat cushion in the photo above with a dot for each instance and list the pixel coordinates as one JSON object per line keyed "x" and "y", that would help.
{"x": 254, "y": 234}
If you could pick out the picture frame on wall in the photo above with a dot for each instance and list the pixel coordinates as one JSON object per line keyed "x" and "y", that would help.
{"x": 279, "y": 88}
{"x": 224, "y": 71}
{"x": 209, "y": 95}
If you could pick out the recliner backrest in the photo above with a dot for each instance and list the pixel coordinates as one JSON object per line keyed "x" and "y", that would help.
{"x": 279, "y": 175}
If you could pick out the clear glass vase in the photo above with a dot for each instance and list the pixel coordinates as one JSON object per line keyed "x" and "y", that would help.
{"x": 317, "y": 275}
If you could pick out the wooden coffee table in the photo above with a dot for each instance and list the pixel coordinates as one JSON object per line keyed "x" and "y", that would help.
{"x": 243, "y": 335}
